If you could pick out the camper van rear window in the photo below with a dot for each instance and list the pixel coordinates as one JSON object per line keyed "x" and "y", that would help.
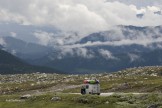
{"x": 87, "y": 86}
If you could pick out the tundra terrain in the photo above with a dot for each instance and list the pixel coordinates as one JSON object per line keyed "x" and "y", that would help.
{"x": 130, "y": 88}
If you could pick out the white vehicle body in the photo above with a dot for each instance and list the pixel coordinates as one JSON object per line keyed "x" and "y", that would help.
{"x": 92, "y": 88}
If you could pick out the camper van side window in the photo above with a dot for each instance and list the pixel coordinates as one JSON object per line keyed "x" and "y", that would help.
{"x": 87, "y": 86}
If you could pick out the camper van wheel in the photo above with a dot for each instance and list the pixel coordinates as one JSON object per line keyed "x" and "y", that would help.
{"x": 90, "y": 93}
{"x": 98, "y": 93}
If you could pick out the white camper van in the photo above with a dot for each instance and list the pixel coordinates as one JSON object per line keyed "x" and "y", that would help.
{"x": 91, "y": 87}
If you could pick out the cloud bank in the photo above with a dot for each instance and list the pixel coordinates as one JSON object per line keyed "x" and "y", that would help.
{"x": 78, "y": 18}
{"x": 81, "y": 16}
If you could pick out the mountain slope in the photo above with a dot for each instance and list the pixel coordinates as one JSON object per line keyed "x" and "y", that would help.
{"x": 100, "y": 64}
{"x": 10, "y": 64}
{"x": 25, "y": 50}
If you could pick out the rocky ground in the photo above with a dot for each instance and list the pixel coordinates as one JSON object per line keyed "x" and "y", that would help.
{"x": 144, "y": 81}
{"x": 141, "y": 79}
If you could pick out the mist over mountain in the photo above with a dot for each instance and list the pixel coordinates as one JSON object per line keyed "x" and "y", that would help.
{"x": 23, "y": 32}
{"x": 106, "y": 51}
{"x": 123, "y": 47}
{"x": 83, "y": 36}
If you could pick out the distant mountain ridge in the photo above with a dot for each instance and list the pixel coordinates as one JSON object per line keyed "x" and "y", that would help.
{"x": 123, "y": 32}
{"x": 113, "y": 57}
{"x": 106, "y": 51}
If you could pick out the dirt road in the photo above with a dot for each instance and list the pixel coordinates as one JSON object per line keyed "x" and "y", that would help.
{"x": 113, "y": 93}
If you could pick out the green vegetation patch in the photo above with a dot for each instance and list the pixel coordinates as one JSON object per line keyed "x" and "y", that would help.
{"x": 81, "y": 101}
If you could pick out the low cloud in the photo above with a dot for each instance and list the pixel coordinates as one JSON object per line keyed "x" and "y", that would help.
{"x": 83, "y": 52}
{"x": 56, "y": 39}
{"x": 80, "y": 52}
{"x": 2, "y": 42}
{"x": 9, "y": 17}
{"x": 116, "y": 37}
{"x": 44, "y": 38}
{"x": 133, "y": 57}
{"x": 13, "y": 34}
{"x": 106, "y": 54}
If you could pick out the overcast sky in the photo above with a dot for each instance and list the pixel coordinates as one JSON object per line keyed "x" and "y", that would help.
{"x": 76, "y": 16}
{"x": 83, "y": 16}
{"x": 140, "y": 3}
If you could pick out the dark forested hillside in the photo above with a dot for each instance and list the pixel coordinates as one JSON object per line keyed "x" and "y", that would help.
{"x": 11, "y": 64}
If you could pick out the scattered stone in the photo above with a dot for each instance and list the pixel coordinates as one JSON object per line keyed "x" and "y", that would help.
{"x": 124, "y": 86}
{"x": 107, "y": 102}
{"x": 32, "y": 84}
{"x": 25, "y": 96}
{"x": 154, "y": 106}
{"x": 56, "y": 98}
{"x": 83, "y": 100}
